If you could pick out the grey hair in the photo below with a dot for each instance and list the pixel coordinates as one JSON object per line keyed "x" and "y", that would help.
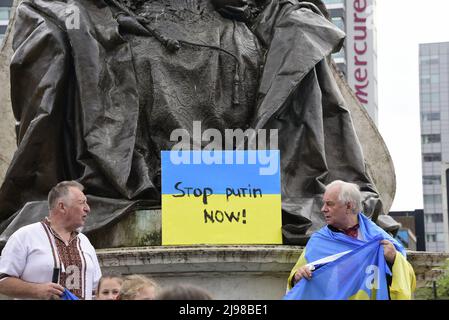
{"x": 61, "y": 190}
{"x": 348, "y": 192}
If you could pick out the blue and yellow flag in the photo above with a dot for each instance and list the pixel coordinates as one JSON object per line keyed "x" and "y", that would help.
{"x": 326, "y": 243}
{"x": 68, "y": 295}
{"x": 359, "y": 274}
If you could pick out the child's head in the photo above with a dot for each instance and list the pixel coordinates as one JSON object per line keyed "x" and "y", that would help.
{"x": 109, "y": 287}
{"x": 184, "y": 292}
{"x": 138, "y": 287}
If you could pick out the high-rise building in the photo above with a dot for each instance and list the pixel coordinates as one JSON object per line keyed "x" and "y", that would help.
{"x": 434, "y": 109}
{"x": 358, "y": 59}
{"x": 5, "y": 9}
{"x": 337, "y": 12}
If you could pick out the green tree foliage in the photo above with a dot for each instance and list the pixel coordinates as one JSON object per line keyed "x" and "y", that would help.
{"x": 443, "y": 283}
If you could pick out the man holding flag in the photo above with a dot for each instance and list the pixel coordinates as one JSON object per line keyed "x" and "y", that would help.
{"x": 351, "y": 257}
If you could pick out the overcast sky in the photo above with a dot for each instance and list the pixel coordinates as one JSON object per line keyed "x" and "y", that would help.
{"x": 401, "y": 26}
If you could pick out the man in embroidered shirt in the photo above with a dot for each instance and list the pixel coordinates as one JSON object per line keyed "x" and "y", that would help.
{"x": 342, "y": 213}
{"x": 41, "y": 259}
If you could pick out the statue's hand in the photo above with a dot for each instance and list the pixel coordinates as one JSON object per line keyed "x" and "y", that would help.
{"x": 233, "y": 9}
{"x": 131, "y": 25}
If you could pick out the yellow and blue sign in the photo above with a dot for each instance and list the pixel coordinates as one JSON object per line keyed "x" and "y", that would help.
{"x": 231, "y": 199}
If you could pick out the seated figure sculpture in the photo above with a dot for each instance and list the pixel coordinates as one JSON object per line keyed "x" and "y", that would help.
{"x": 97, "y": 87}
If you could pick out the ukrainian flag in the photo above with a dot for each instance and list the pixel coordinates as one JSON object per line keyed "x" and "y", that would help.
{"x": 225, "y": 201}
{"x": 358, "y": 269}
{"x": 359, "y": 274}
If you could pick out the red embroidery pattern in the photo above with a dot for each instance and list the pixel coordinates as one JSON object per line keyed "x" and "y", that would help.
{"x": 71, "y": 258}
{"x": 72, "y": 276}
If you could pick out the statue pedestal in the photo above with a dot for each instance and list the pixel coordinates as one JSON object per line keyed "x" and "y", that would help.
{"x": 228, "y": 272}
{"x": 233, "y": 272}
{"x": 138, "y": 229}
{"x": 133, "y": 245}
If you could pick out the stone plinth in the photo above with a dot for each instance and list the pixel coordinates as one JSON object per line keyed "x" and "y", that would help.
{"x": 140, "y": 228}
{"x": 228, "y": 272}
{"x": 427, "y": 265}
{"x": 231, "y": 272}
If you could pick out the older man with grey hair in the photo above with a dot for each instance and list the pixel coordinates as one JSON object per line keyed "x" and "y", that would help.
{"x": 342, "y": 210}
{"x": 43, "y": 259}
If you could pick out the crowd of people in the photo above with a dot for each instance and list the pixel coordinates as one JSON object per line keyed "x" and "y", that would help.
{"x": 52, "y": 259}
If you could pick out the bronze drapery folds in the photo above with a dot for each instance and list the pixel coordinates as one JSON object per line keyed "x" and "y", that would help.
{"x": 97, "y": 102}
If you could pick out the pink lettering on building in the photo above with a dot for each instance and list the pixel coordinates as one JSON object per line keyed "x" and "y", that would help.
{"x": 360, "y": 41}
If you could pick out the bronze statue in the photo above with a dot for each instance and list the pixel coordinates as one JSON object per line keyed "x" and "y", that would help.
{"x": 96, "y": 102}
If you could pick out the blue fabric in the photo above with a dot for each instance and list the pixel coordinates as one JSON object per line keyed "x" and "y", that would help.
{"x": 354, "y": 271}
{"x": 326, "y": 242}
{"x": 67, "y": 295}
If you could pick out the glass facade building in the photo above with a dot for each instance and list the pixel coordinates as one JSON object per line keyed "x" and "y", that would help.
{"x": 434, "y": 109}
{"x": 337, "y": 12}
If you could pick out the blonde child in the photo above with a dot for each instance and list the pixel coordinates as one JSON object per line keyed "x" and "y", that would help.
{"x": 138, "y": 287}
